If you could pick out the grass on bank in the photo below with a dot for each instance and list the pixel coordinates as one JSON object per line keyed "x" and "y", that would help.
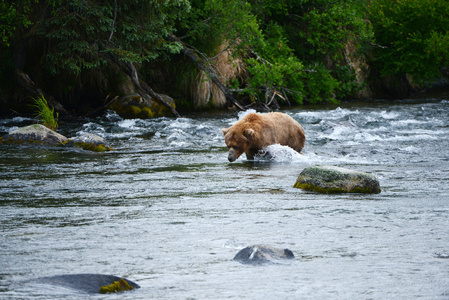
{"x": 45, "y": 114}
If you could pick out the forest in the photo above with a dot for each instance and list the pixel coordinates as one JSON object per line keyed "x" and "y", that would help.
{"x": 83, "y": 55}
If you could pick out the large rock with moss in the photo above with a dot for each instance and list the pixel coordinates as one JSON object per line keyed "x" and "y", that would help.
{"x": 331, "y": 179}
{"x": 34, "y": 133}
{"x": 138, "y": 107}
{"x": 90, "y": 141}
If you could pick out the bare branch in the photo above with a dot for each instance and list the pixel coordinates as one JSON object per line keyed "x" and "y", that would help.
{"x": 113, "y": 22}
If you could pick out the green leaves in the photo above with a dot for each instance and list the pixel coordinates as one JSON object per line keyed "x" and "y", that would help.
{"x": 314, "y": 35}
{"x": 81, "y": 34}
{"x": 13, "y": 16}
{"x": 414, "y": 33}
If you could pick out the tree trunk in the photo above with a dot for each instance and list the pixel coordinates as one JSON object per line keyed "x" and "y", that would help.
{"x": 24, "y": 81}
{"x": 142, "y": 88}
{"x": 209, "y": 71}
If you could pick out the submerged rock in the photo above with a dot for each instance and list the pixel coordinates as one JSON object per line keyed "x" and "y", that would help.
{"x": 137, "y": 107}
{"x": 331, "y": 179}
{"x": 258, "y": 254}
{"x": 90, "y": 283}
{"x": 34, "y": 133}
{"x": 90, "y": 141}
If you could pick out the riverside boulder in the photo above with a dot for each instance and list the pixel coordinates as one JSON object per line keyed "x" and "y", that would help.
{"x": 35, "y": 133}
{"x": 138, "y": 107}
{"x": 332, "y": 179}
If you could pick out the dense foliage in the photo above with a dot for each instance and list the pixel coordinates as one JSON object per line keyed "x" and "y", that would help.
{"x": 414, "y": 35}
{"x": 83, "y": 34}
{"x": 293, "y": 51}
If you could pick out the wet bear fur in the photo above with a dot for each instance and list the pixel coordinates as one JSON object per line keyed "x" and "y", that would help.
{"x": 256, "y": 131}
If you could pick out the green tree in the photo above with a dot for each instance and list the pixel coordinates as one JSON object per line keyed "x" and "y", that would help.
{"x": 317, "y": 32}
{"x": 414, "y": 35}
{"x": 70, "y": 42}
{"x": 258, "y": 31}
{"x": 85, "y": 34}
{"x": 14, "y": 15}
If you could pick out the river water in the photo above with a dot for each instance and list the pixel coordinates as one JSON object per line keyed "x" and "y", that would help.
{"x": 167, "y": 210}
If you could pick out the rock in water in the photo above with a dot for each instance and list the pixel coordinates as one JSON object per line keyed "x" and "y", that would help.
{"x": 90, "y": 141}
{"x": 331, "y": 179}
{"x": 258, "y": 254}
{"x": 35, "y": 133}
{"x": 88, "y": 283}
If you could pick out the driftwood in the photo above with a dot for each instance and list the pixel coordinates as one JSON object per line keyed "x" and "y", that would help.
{"x": 26, "y": 84}
{"x": 209, "y": 71}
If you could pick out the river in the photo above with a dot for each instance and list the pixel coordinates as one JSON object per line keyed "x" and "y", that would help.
{"x": 167, "y": 210}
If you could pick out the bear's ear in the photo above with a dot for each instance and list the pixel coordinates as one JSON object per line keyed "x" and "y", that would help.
{"x": 224, "y": 130}
{"x": 249, "y": 133}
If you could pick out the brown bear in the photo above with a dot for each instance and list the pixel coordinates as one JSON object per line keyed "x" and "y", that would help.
{"x": 256, "y": 131}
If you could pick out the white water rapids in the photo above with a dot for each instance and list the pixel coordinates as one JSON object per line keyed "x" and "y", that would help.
{"x": 168, "y": 211}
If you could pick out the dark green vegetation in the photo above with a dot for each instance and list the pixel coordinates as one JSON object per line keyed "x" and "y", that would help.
{"x": 288, "y": 52}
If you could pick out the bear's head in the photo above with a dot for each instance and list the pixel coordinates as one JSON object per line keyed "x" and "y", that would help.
{"x": 237, "y": 141}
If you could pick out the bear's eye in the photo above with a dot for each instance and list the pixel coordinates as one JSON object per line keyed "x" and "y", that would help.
{"x": 236, "y": 147}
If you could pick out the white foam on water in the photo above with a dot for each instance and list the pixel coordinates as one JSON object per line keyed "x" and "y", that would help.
{"x": 387, "y": 115}
{"x": 181, "y": 123}
{"x": 242, "y": 114}
{"x": 338, "y": 133}
{"x": 284, "y": 154}
{"x": 410, "y": 149}
{"x": 92, "y": 128}
{"x": 8, "y": 129}
{"x": 402, "y": 123}
{"x": 367, "y": 137}
{"x": 278, "y": 153}
{"x": 15, "y": 120}
{"x": 128, "y": 123}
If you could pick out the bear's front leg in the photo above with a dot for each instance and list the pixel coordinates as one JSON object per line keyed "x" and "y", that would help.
{"x": 251, "y": 153}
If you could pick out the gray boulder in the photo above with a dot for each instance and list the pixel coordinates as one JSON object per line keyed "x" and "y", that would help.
{"x": 35, "y": 133}
{"x": 89, "y": 283}
{"x": 258, "y": 254}
{"x": 331, "y": 179}
{"x": 90, "y": 141}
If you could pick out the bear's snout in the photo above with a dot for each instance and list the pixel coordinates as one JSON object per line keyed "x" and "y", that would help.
{"x": 231, "y": 155}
